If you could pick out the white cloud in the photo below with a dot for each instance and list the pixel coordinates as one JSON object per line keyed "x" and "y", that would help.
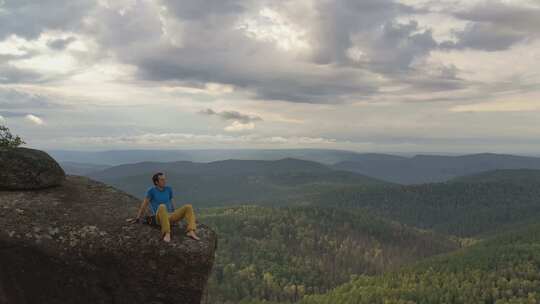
{"x": 34, "y": 119}
{"x": 13, "y": 45}
{"x": 218, "y": 88}
{"x": 36, "y": 55}
{"x": 47, "y": 64}
{"x": 356, "y": 54}
{"x": 237, "y": 126}
{"x": 121, "y": 6}
{"x": 490, "y": 67}
{"x": 270, "y": 26}
{"x": 499, "y": 106}
{"x": 171, "y": 28}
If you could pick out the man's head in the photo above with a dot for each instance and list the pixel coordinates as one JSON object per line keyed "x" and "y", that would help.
{"x": 159, "y": 179}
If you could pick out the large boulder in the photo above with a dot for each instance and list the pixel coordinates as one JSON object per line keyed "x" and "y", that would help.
{"x": 71, "y": 244}
{"x": 26, "y": 168}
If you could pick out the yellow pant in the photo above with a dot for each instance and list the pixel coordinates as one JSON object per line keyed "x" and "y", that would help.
{"x": 163, "y": 218}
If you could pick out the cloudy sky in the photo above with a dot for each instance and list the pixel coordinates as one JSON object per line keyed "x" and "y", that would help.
{"x": 363, "y": 75}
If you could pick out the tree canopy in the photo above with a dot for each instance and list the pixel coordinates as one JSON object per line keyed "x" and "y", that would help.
{"x": 8, "y": 140}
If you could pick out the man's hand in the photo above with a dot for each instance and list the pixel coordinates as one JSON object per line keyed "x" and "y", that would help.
{"x": 140, "y": 213}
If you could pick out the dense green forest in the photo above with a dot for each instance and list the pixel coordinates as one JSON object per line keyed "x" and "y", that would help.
{"x": 502, "y": 269}
{"x": 472, "y": 207}
{"x": 511, "y": 176}
{"x": 358, "y": 244}
{"x": 280, "y": 254}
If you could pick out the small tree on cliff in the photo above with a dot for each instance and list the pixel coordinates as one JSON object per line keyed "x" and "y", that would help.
{"x": 7, "y": 140}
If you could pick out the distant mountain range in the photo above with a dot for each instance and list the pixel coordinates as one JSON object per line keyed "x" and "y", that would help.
{"x": 421, "y": 168}
{"x": 117, "y": 157}
{"x": 272, "y": 182}
{"x": 434, "y": 168}
{"x": 76, "y": 168}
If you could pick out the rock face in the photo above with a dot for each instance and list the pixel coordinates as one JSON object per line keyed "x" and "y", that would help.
{"x": 25, "y": 168}
{"x": 71, "y": 244}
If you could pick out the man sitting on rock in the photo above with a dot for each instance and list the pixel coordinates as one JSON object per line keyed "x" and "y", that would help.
{"x": 160, "y": 197}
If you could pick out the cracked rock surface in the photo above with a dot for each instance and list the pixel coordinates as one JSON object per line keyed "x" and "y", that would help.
{"x": 71, "y": 244}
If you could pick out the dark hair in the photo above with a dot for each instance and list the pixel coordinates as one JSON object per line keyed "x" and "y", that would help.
{"x": 155, "y": 177}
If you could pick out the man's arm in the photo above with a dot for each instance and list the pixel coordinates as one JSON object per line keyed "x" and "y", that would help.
{"x": 143, "y": 207}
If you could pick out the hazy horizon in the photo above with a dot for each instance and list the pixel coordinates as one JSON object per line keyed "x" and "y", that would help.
{"x": 397, "y": 153}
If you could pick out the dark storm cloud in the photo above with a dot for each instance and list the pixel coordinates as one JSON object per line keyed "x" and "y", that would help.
{"x": 16, "y": 99}
{"x": 232, "y": 115}
{"x": 496, "y": 26}
{"x": 200, "y": 9}
{"x": 435, "y": 84}
{"x": 336, "y": 88}
{"x": 128, "y": 33}
{"x": 214, "y": 51}
{"x": 252, "y": 67}
{"x": 211, "y": 48}
{"x": 12, "y": 114}
{"x": 60, "y": 44}
{"x": 339, "y": 20}
{"x": 10, "y": 74}
{"x": 397, "y": 45}
{"x": 28, "y": 18}
{"x": 526, "y": 19}
{"x": 443, "y": 78}
{"x": 487, "y": 37}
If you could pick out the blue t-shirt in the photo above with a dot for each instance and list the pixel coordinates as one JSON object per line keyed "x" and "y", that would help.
{"x": 157, "y": 197}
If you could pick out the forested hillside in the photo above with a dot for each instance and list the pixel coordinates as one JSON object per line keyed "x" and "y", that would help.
{"x": 504, "y": 269}
{"x": 281, "y": 254}
{"x": 468, "y": 206}
{"x": 512, "y": 176}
